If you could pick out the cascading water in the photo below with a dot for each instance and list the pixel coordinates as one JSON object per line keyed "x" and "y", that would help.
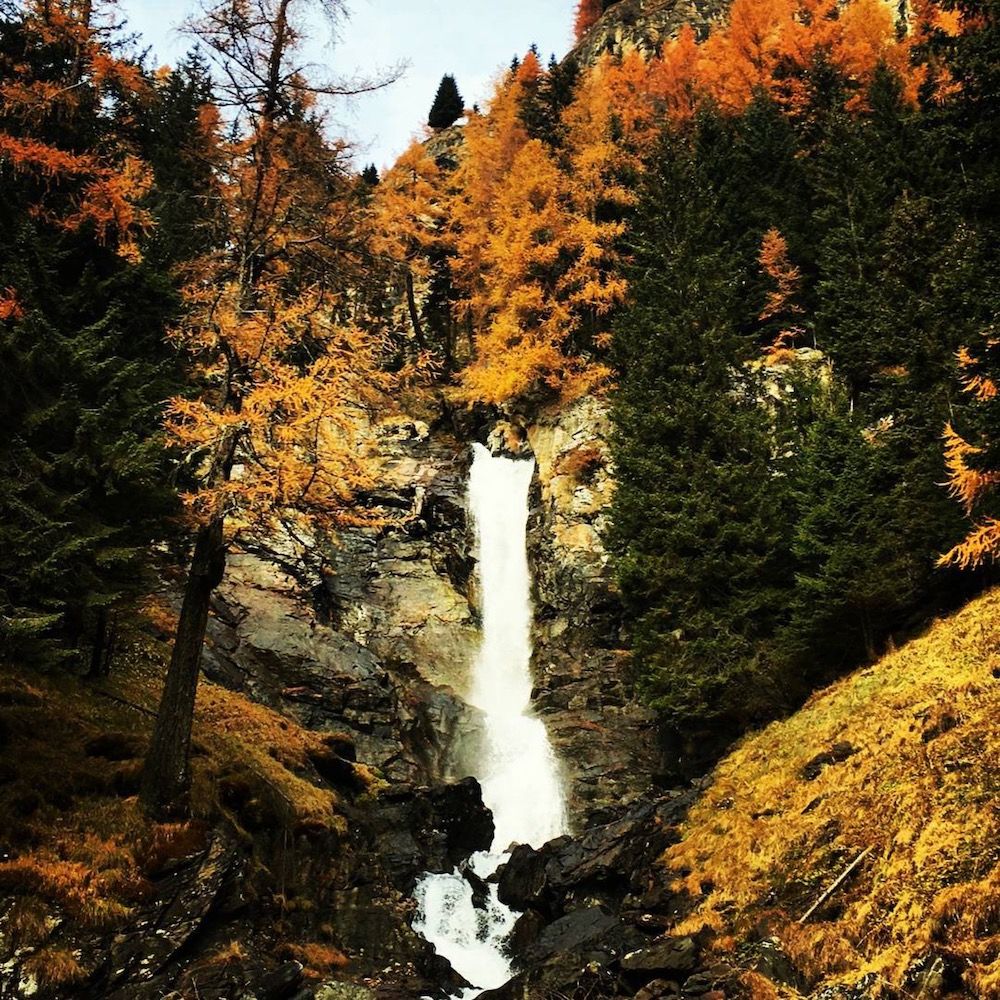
{"x": 518, "y": 771}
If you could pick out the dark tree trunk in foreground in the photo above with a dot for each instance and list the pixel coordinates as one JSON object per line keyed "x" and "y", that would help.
{"x": 411, "y": 303}
{"x": 99, "y": 656}
{"x": 166, "y": 780}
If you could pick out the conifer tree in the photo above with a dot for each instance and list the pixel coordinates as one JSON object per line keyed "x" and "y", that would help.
{"x": 698, "y": 520}
{"x": 85, "y": 484}
{"x": 448, "y": 105}
{"x": 282, "y": 364}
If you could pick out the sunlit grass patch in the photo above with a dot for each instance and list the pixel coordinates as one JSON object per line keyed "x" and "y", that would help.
{"x": 915, "y": 782}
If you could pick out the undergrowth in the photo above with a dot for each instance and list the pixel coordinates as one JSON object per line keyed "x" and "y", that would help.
{"x": 79, "y": 856}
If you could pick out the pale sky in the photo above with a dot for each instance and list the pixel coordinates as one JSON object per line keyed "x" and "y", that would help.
{"x": 471, "y": 39}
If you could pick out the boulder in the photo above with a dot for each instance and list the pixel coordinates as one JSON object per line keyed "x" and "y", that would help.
{"x": 480, "y": 890}
{"x": 282, "y": 983}
{"x": 664, "y": 955}
{"x": 605, "y": 862}
{"x": 408, "y": 830}
{"x": 591, "y": 931}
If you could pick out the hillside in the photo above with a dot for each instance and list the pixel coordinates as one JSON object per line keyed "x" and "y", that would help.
{"x": 899, "y": 760}
{"x": 848, "y": 852}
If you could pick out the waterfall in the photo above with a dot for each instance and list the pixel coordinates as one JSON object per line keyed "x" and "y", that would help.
{"x": 518, "y": 771}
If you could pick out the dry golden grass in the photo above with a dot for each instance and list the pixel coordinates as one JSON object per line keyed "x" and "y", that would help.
{"x": 920, "y": 791}
{"x": 54, "y": 967}
{"x": 27, "y": 923}
{"x": 81, "y": 852}
{"x": 270, "y": 753}
{"x": 317, "y": 959}
{"x": 231, "y": 954}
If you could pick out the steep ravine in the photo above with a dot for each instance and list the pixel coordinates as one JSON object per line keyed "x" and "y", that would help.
{"x": 372, "y": 638}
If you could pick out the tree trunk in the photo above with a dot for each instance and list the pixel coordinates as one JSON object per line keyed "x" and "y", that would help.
{"x": 98, "y": 655}
{"x": 166, "y": 780}
{"x": 411, "y": 304}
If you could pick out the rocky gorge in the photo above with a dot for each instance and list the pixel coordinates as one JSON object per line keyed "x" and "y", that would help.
{"x": 367, "y": 640}
{"x": 370, "y": 638}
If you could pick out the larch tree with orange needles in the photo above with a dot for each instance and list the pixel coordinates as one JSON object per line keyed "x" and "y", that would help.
{"x": 409, "y": 222}
{"x": 283, "y": 368}
{"x": 533, "y": 255}
{"x": 781, "y": 315}
{"x": 588, "y": 13}
{"x": 974, "y": 465}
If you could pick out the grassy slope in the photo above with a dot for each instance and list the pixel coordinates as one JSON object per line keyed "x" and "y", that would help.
{"x": 920, "y": 791}
{"x": 76, "y": 848}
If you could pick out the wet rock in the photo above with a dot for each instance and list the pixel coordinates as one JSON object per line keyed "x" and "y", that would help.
{"x": 933, "y": 976}
{"x": 282, "y": 983}
{"x": 338, "y": 771}
{"x": 866, "y": 988}
{"x": 405, "y": 593}
{"x": 152, "y": 949}
{"x": 480, "y": 890}
{"x": 528, "y": 927}
{"x": 605, "y": 862}
{"x": 413, "y": 830}
{"x": 605, "y": 737}
{"x": 698, "y": 985}
{"x": 592, "y": 931}
{"x": 665, "y": 955}
{"x": 769, "y": 959}
{"x": 460, "y": 813}
{"x": 573, "y": 950}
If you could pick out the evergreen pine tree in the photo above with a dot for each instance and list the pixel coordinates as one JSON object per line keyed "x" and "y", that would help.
{"x": 545, "y": 99}
{"x": 85, "y": 482}
{"x": 173, "y": 132}
{"x": 698, "y": 526}
{"x": 448, "y": 105}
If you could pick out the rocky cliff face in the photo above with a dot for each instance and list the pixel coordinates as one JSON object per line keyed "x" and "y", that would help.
{"x": 405, "y": 593}
{"x": 606, "y": 739}
{"x": 386, "y": 647}
{"x": 644, "y": 25}
{"x": 371, "y": 639}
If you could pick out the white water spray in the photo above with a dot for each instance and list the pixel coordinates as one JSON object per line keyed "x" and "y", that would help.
{"x": 518, "y": 771}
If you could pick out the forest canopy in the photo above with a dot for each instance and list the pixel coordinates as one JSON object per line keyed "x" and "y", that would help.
{"x": 770, "y": 245}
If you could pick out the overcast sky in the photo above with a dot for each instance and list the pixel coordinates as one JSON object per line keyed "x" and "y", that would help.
{"x": 470, "y": 38}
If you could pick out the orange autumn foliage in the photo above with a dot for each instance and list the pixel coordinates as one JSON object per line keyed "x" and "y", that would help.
{"x": 530, "y": 69}
{"x": 538, "y": 308}
{"x": 408, "y": 224}
{"x": 531, "y": 256}
{"x": 10, "y": 307}
{"x": 287, "y": 372}
{"x": 968, "y": 482}
{"x": 588, "y": 13}
{"x": 408, "y": 210}
{"x": 102, "y": 188}
{"x": 780, "y": 305}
